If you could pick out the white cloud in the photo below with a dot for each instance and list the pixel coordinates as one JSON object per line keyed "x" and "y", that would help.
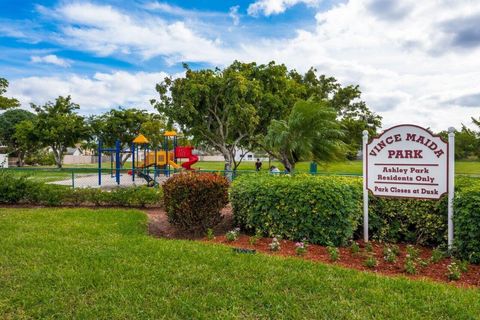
{"x": 51, "y": 59}
{"x": 106, "y": 31}
{"x": 415, "y": 61}
{"x": 233, "y": 13}
{"x": 271, "y": 7}
{"x": 94, "y": 94}
{"x": 417, "y": 66}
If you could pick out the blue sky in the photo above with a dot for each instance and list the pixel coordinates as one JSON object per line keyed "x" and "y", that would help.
{"x": 415, "y": 62}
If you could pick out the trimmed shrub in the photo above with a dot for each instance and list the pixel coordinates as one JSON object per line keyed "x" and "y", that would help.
{"x": 193, "y": 201}
{"x": 408, "y": 220}
{"x": 467, "y": 223}
{"x": 19, "y": 189}
{"x": 13, "y": 188}
{"x": 323, "y": 210}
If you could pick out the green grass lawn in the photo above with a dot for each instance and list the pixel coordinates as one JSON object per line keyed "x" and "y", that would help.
{"x": 50, "y": 174}
{"x": 343, "y": 167}
{"x": 101, "y": 264}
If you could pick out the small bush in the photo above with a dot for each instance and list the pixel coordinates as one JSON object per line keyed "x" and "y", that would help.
{"x": 232, "y": 235}
{"x": 193, "y": 201}
{"x": 370, "y": 262}
{"x": 368, "y": 247}
{"x": 389, "y": 254}
{"x": 354, "y": 247}
{"x": 275, "y": 244}
{"x": 334, "y": 253}
{"x": 437, "y": 255}
{"x": 13, "y": 187}
{"x": 210, "y": 235}
{"x": 301, "y": 248}
{"x": 453, "y": 271}
{"x": 254, "y": 239}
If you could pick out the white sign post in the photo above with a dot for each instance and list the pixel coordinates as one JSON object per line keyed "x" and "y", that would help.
{"x": 408, "y": 161}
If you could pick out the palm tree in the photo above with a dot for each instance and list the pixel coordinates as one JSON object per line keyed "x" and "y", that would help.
{"x": 311, "y": 132}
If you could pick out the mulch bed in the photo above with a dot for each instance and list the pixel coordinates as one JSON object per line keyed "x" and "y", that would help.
{"x": 159, "y": 226}
{"x": 434, "y": 271}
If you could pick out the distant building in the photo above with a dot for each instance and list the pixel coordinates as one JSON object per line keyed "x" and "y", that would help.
{"x": 249, "y": 156}
{"x": 3, "y": 160}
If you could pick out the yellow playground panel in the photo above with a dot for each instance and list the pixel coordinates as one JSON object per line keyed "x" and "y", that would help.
{"x": 161, "y": 160}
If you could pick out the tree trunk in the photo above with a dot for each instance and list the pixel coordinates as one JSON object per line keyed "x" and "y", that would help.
{"x": 21, "y": 159}
{"x": 58, "y": 156}
{"x": 289, "y": 166}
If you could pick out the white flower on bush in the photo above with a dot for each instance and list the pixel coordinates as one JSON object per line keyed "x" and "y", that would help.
{"x": 233, "y": 235}
{"x": 275, "y": 244}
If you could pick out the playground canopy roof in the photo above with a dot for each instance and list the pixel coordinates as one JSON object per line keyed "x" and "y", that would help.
{"x": 140, "y": 139}
{"x": 170, "y": 134}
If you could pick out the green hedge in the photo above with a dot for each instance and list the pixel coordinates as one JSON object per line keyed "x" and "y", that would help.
{"x": 467, "y": 222}
{"x": 323, "y": 210}
{"x": 422, "y": 222}
{"x": 19, "y": 189}
{"x": 327, "y": 209}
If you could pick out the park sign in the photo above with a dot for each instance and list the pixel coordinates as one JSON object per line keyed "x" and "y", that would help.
{"x": 408, "y": 161}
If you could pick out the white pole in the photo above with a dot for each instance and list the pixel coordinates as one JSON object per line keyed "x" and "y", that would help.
{"x": 451, "y": 182}
{"x": 365, "y": 191}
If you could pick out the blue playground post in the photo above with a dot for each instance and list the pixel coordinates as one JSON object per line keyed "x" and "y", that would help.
{"x": 100, "y": 162}
{"x": 117, "y": 161}
{"x": 132, "y": 149}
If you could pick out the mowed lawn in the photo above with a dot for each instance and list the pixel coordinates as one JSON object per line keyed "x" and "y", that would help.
{"x": 342, "y": 167}
{"x": 101, "y": 264}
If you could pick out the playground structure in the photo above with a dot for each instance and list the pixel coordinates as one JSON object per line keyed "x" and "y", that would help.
{"x": 148, "y": 163}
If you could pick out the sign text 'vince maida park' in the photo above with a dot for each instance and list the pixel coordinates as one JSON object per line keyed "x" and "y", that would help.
{"x": 407, "y": 161}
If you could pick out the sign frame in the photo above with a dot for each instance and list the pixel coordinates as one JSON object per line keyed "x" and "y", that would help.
{"x": 449, "y": 179}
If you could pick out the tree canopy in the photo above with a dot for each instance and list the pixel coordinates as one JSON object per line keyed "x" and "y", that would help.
{"x": 311, "y": 132}
{"x": 58, "y": 126}
{"x": 232, "y": 108}
{"x": 6, "y": 103}
{"x": 9, "y": 125}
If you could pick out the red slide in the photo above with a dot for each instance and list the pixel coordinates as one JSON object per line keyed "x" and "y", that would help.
{"x": 186, "y": 152}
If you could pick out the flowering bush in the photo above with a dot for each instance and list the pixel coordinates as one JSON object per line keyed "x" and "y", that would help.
{"x": 275, "y": 244}
{"x": 453, "y": 271}
{"x": 301, "y": 248}
{"x": 232, "y": 235}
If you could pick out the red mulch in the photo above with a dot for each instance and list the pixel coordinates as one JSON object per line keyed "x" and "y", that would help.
{"x": 434, "y": 271}
{"x": 159, "y": 226}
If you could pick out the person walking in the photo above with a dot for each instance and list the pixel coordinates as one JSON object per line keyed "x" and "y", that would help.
{"x": 258, "y": 165}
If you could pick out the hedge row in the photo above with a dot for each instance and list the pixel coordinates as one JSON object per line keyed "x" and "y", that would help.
{"x": 467, "y": 222}
{"x": 20, "y": 189}
{"x": 329, "y": 210}
{"x": 323, "y": 210}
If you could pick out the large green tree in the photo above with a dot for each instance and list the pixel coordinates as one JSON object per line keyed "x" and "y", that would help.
{"x": 58, "y": 126}
{"x": 232, "y": 108}
{"x": 311, "y": 132}
{"x": 6, "y": 103}
{"x": 9, "y": 121}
